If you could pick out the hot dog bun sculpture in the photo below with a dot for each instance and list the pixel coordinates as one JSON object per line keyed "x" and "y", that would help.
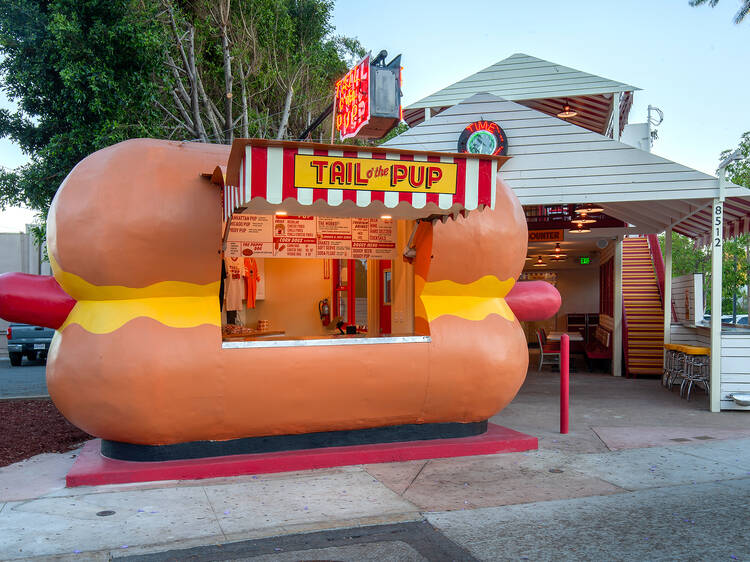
{"x": 134, "y": 240}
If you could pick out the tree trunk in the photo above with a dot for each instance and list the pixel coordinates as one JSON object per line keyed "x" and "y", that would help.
{"x": 285, "y": 116}
{"x": 245, "y": 127}
{"x": 228, "y": 120}
{"x": 200, "y": 129}
{"x": 214, "y": 117}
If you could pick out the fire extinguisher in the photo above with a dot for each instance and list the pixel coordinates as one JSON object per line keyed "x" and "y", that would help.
{"x": 325, "y": 312}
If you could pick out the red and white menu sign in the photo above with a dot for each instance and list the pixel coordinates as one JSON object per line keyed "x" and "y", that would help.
{"x": 253, "y": 232}
{"x": 294, "y": 237}
{"x": 312, "y": 237}
{"x": 334, "y": 237}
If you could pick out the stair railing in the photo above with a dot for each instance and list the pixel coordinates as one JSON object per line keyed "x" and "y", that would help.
{"x": 658, "y": 260}
{"x": 625, "y": 338}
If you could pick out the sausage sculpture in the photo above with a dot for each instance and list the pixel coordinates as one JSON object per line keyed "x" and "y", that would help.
{"x": 134, "y": 240}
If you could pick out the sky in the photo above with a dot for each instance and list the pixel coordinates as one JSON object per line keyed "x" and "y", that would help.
{"x": 692, "y": 63}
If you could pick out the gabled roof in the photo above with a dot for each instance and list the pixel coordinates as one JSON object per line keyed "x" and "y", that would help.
{"x": 556, "y": 162}
{"x": 522, "y": 77}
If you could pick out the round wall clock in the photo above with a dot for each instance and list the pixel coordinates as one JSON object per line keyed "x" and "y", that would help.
{"x": 483, "y": 137}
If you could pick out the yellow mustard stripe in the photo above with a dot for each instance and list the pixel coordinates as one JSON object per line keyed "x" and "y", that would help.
{"x": 471, "y": 301}
{"x": 82, "y": 290}
{"x": 101, "y": 309}
{"x": 103, "y": 317}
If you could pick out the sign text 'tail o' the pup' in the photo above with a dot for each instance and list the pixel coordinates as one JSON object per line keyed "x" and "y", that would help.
{"x": 329, "y": 172}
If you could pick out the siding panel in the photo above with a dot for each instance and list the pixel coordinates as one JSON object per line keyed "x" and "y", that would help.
{"x": 557, "y": 162}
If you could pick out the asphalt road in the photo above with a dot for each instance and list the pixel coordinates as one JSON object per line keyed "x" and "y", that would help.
{"x": 28, "y": 380}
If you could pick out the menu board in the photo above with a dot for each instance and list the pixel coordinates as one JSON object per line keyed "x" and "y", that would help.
{"x": 255, "y": 232}
{"x": 312, "y": 237}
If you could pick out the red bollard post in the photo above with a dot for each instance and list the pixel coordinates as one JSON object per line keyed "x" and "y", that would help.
{"x": 564, "y": 382}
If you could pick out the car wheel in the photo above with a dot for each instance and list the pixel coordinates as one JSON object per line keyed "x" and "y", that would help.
{"x": 15, "y": 359}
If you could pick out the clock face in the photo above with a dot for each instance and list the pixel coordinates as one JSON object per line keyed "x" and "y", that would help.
{"x": 481, "y": 142}
{"x": 483, "y": 137}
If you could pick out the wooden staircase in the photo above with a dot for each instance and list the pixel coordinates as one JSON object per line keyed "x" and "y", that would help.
{"x": 643, "y": 312}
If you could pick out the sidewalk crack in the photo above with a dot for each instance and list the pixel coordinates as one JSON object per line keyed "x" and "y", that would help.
{"x": 415, "y": 477}
{"x": 211, "y": 505}
{"x": 601, "y": 440}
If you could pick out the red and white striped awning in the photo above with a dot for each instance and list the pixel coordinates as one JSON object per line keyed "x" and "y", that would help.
{"x": 736, "y": 220}
{"x": 262, "y": 178}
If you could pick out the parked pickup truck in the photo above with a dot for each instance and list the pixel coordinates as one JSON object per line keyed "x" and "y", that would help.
{"x": 31, "y": 341}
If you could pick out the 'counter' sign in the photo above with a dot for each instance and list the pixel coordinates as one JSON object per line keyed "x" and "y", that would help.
{"x": 483, "y": 137}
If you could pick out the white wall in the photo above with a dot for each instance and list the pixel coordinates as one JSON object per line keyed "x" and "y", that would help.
{"x": 557, "y": 162}
{"x": 687, "y": 297}
{"x": 579, "y": 289}
{"x": 18, "y": 253}
{"x": 293, "y": 289}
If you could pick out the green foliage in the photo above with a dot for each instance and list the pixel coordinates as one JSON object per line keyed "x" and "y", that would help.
{"x": 739, "y": 170}
{"x": 275, "y": 46}
{"x": 393, "y": 133}
{"x": 87, "y": 74}
{"x": 82, "y": 73}
{"x": 687, "y": 258}
{"x": 738, "y": 17}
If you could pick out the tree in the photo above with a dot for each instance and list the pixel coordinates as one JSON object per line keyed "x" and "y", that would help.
{"x": 687, "y": 258}
{"x": 82, "y": 73}
{"x": 739, "y": 170}
{"x": 280, "y": 54}
{"x": 738, "y": 17}
{"x": 739, "y": 173}
{"x": 87, "y": 74}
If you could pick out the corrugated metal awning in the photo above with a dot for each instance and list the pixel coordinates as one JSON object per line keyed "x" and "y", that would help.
{"x": 343, "y": 180}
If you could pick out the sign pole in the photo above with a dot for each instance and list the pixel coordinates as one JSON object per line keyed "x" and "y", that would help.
{"x": 564, "y": 382}
{"x": 333, "y": 117}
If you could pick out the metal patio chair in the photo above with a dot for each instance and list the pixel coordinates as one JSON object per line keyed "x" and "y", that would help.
{"x": 552, "y": 352}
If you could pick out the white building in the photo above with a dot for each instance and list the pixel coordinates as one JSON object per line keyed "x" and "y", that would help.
{"x": 561, "y": 163}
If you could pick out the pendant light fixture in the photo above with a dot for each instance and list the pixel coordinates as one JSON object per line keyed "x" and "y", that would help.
{"x": 580, "y": 229}
{"x": 567, "y": 111}
{"x": 539, "y": 262}
{"x": 558, "y": 255}
{"x": 583, "y": 218}
{"x": 589, "y": 208}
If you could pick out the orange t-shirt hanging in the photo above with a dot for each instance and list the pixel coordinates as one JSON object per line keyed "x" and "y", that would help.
{"x": 252, "y": 277}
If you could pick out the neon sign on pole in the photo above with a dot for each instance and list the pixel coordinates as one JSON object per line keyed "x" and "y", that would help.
{"x": 368, "y": 98}
{"x": 353, "y": 100}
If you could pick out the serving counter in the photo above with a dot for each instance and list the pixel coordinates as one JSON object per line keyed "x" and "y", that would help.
{"x": 735, "y": 357}
{"x": 353, "y": 339}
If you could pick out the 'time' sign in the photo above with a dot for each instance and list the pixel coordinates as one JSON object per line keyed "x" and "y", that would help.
{"x": 483, "y": 137}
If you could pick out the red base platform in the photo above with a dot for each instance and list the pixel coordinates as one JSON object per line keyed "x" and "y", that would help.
{"x": 92, "y": 469}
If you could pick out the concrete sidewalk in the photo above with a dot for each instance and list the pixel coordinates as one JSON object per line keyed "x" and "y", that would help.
{"x": 642, "y": 475}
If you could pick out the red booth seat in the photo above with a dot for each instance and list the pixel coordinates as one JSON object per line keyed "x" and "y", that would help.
{"x": 601, "y": 347}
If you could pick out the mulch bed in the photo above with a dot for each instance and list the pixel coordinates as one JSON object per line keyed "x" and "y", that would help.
{"x": 31, "y": 427}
